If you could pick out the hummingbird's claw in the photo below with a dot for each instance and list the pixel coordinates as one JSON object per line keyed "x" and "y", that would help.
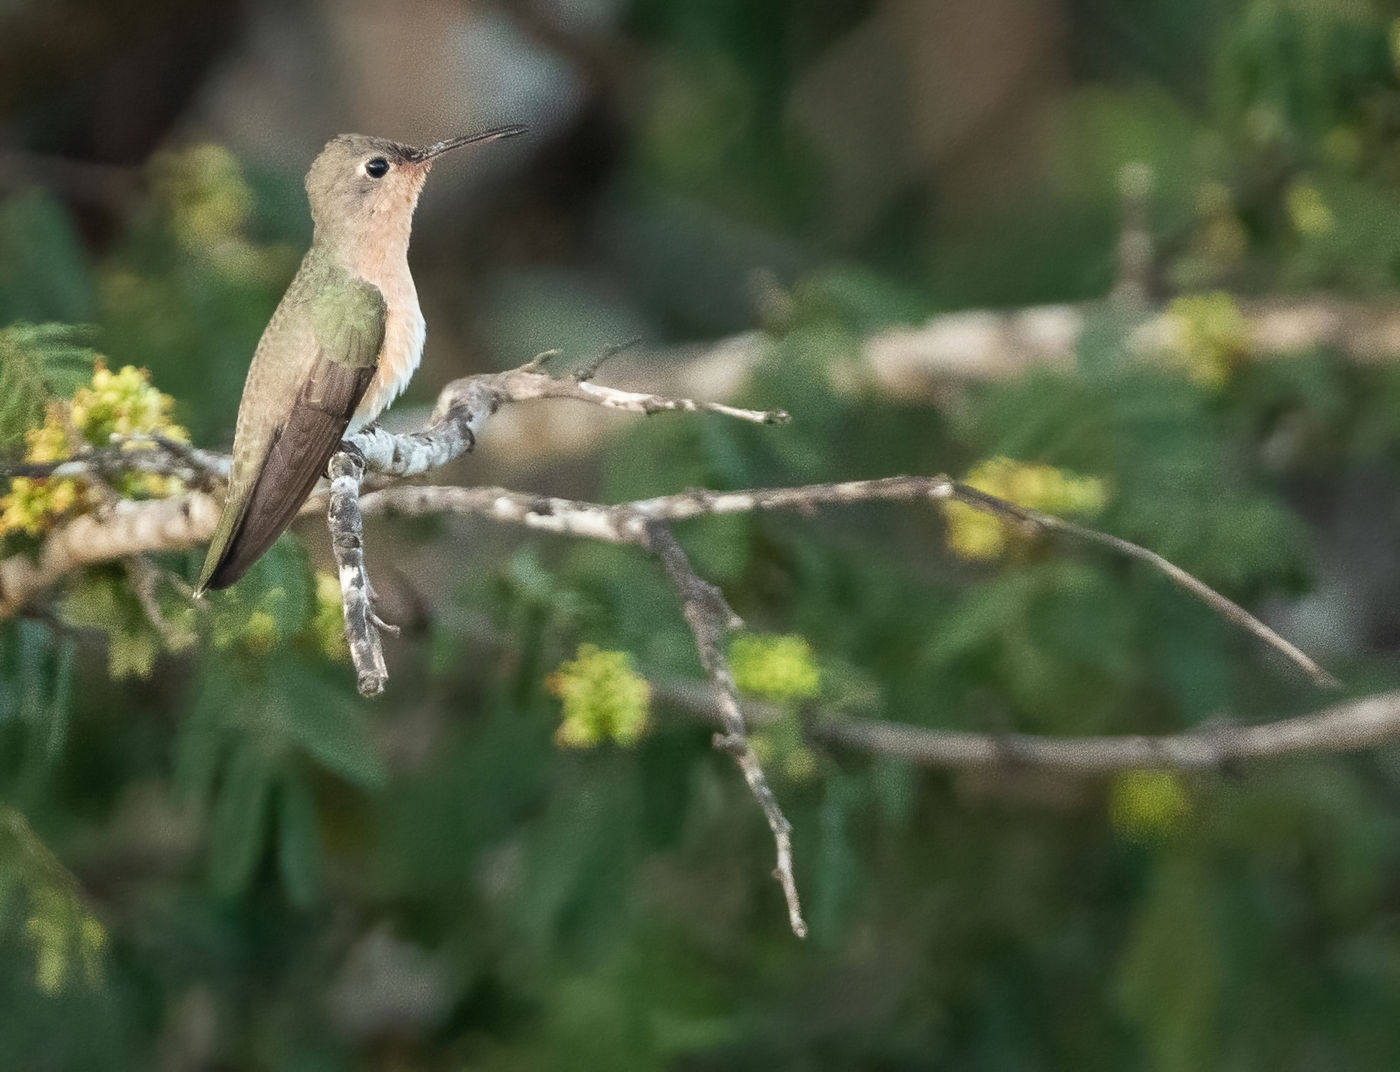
{"x": 351, "y": 448}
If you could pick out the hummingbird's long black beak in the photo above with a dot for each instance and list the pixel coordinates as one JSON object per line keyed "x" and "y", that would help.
{"x": 421, "y": 155}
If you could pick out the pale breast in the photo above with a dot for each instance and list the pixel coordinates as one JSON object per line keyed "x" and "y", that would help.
{"x": 404, "y": 332}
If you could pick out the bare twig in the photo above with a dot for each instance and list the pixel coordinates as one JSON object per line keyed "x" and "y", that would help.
{"x": 538, "y": 362}
{"x": 1226, "y": 608}
{"x": 919, "y": 361}
{"x": 129, "y": 454}
{"x": 1346, "y": 727}
{"x": 709, "y": 616}
{"x": 523, "y": 386}
{"x": 183, "y": 521}
{"x": 465, "y": 405}
{"x": 1215, "y": 745}
{"x": 589, "y": 369}
{"x": 129, "y": 528}
{"x": 601, "y": 522}
{"x": 462, "y": 410}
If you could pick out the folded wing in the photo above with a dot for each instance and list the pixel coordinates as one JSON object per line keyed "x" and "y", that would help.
{"x": 347, "y": 319}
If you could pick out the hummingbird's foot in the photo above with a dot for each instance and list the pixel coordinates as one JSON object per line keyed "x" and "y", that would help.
{"x": 348, "y": 447}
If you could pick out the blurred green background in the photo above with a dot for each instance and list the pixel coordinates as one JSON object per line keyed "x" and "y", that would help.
{"x": 214, "y": 855}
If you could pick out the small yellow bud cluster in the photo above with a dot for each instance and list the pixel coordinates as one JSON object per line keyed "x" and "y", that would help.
{"x": 782, "y": 747}
{"x": 1212, "y": 337}
{"x": 1147, "y": 804}
{"x": 774, "y": 667}
{"x": 122, "y": 404}
{"x": 974, "y": 534}
{"x": 68, "y": 940}
{"x": 604, "y": 699}
{"x": 1308, "y": 210}
{"x": 209, "y": 203}
{"x": 782, "y": 669}
{"x": 63, "y": 940}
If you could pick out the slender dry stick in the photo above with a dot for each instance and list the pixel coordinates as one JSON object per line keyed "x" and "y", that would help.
{"x": 1226, "y": 608}
{"x": 1219, "y": 744}
{"x": 1347, "y": 727}
{"x": 709, "y": 617}
{"x": 600, "y": 522}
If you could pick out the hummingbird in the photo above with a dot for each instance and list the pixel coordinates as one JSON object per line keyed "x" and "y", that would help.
{"x": 341, "y": 345}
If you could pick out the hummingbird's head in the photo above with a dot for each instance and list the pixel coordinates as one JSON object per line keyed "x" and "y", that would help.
{"x": 361, "y": 185}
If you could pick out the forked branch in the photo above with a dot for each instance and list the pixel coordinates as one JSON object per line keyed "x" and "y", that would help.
{"x": 375, "y": 458}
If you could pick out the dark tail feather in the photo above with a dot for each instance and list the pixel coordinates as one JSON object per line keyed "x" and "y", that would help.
{"x": 238, "y": 554}
{"x": 277, "y": 496}
{"x": 296, "y": 457}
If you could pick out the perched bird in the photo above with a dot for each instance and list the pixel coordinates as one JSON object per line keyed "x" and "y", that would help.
{"x": 341, "y": 345}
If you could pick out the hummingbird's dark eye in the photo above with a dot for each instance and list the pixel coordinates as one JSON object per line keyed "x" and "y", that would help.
{"x": 377, "y": 168}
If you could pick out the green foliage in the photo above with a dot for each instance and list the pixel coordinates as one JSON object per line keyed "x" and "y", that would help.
{"x": 37, "y": 362}
{"x": 251, "y": 742}
{"x": 68, "y": 942}
{"x": 778, "y": 668}
{"x": 45, "y": 274}
{"x": 36, "y": 669}
{"x": 603, "y": 699}
{"x": 105, "y": 601}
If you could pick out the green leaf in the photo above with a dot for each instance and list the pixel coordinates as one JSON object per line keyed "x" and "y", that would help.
{"x": 203, "y": 735}
{"x": 38, "y": 362}
{"x": 104, "y": 601}
{"x": 43, "y": 272}
{"x": 298, "y": 847}
{"x": 238, "y": 829}
{"x": 272, "y": 603}
{"x": 1171, "y": 975}
{"x": 316, "y": 713}
{"x": 67, "y": 940}
{"x": 838, "y": 864}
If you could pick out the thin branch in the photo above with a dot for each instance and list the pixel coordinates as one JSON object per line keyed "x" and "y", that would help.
{"x": 520, "y": 385}
{"x": 144, "y": 578}
{"x": 129, "y": 454}
{"x": 129, "y": 528}
{"x": 601, "y": 522}
{"x": 920, "y": 361}
{"x": 184, "y": 521}
{"x": 589, "y": 369}
{"x": 464, "y": 407}
{"x": 1346, "y": 727}
{"x": 1217, "y": 745}
{"x": 1226, "y": 608}
{"x": 709, "y": 616}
